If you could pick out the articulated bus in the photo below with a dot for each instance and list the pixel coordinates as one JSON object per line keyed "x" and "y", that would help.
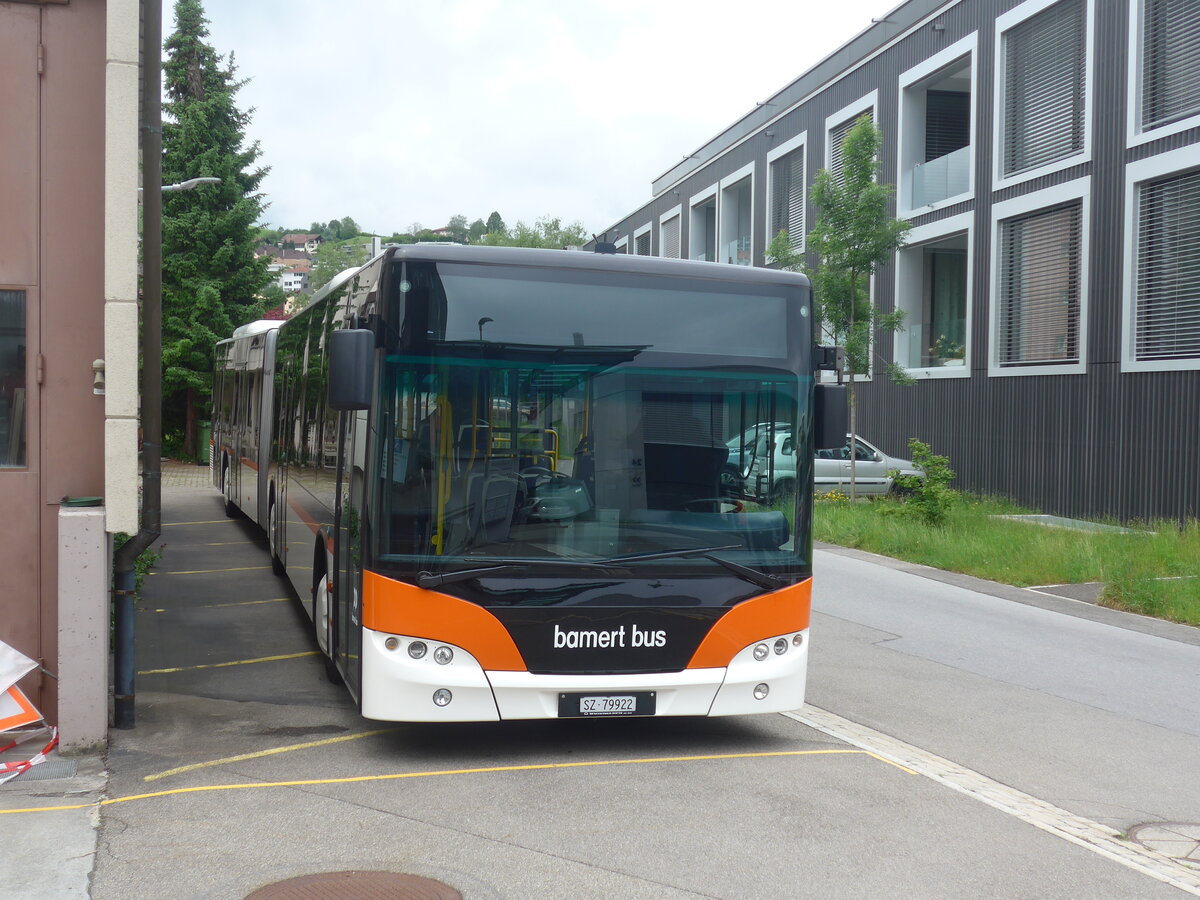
{"x": 494, "y": 478}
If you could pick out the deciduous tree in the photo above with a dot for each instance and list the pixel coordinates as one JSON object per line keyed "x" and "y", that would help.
{"x": 854, "y": 234}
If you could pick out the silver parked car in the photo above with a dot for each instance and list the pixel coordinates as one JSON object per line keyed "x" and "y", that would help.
{"x": 772, "y": 471}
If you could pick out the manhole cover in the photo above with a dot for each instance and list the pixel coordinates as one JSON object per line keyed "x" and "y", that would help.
{"x": 357, "y": 886}
{"x": 1178, "y": 840}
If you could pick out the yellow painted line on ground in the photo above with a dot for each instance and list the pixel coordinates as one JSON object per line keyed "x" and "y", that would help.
{"x": 209, "y": 522}
{"x": 236, "y": 662}
{"x": 213, "y": 571}
{"x": 222, "y": 605}
{"x": 308, "y": 745}
{"x": 489, "y": 770}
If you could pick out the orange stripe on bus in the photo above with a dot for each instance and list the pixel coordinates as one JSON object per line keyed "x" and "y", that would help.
{"x": 394, "y": 607}
{"x": 753, "y": 620}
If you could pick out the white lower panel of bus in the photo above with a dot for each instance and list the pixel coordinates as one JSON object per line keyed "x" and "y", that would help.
{"x": 400, "y": 687}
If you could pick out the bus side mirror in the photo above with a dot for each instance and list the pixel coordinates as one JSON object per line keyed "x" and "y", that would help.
{"x": 351, "y": 364}
{"x": 831, "y": 416}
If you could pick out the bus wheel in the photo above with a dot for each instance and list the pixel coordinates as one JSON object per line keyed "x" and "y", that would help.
{"x": 321, "y": 628}
{"x": 272, "y": 524}
{"x": 227, "y": 489}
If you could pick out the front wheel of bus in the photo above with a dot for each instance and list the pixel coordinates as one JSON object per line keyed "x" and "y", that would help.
{"x": 321, "y": 627}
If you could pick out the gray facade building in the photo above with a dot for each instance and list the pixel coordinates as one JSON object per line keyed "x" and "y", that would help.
{"x": 1047, "y": 154}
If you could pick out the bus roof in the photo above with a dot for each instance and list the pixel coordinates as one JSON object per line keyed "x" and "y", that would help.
{"x": 582, "y": 259}
{"x": 438, "y": 251}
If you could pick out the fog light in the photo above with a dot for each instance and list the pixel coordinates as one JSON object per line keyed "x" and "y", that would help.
{"x": 392, "y": 643}
{"x": 761, "y": 651}
{"x": 798, "y": 640}
{"x": 443, "y": 655}
{"x": 417, "y": 649}
{"x": 442, "y": 697}
{"x": 761, "y": 691}
{"x": 780, "y": 646}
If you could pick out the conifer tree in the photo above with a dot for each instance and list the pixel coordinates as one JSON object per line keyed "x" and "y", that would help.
{"x": 211, "y": 278}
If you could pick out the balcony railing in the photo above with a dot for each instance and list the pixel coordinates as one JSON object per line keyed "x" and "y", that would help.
{"x": 940, "y": 178}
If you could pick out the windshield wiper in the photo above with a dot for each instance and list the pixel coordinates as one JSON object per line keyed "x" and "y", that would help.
{"x": 433, "y": 579}
{"x": 762, "y": 579}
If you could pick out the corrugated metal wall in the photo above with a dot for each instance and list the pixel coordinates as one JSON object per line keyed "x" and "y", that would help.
{"x": 1104, "y": 443}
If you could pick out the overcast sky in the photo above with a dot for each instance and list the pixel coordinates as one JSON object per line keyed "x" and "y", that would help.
{"x": 398, "y": 111}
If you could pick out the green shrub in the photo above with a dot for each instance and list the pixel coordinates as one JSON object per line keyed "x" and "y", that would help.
{"x": 929, "y": 498}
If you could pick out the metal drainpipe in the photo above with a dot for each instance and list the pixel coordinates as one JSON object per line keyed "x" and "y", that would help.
{"x": 124, "y": 576}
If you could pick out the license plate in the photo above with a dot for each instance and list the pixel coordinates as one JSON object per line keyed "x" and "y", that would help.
{"x": 634, "y": 703}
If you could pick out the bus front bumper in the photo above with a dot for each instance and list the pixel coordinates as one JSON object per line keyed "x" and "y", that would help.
{"x": 398, "y": 687}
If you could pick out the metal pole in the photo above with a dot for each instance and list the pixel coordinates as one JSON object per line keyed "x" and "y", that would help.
{"x": 124, "y": 580}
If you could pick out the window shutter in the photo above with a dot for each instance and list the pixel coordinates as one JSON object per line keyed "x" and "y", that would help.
{"x": 947, "y": 123}
{"x": 670, "y": 238}
{"x": 787, "y": 197}
{"x": 643, "y": 245}
{"x": 1167, "y": 313}
{"x": 1044, "y": 64}
{"x": 1170, "y": 61}
{"x": 1039, "y": 288}
{"x": 837, "y": 136}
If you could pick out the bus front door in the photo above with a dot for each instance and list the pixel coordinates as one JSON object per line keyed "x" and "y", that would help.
{"x": 349, "y": 541}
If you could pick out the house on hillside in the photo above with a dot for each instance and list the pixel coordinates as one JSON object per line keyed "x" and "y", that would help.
{"x": 1047, "y": 155}
{"x": 290, "y": 267}
{"x": 306, "y": 242}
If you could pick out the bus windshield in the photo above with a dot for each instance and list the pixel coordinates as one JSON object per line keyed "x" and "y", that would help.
{"x": 556, "y": 420}
{"x": 574, "y": 460}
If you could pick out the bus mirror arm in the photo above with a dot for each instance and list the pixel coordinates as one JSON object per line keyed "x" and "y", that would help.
{"x": 351, "y": 365}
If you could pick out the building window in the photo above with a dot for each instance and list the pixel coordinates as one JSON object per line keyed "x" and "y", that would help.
{"x": 1040, "y": 266}
{"x": 12, "y": 379}
{"x": 936, "y": 129}
{"x": 933, "y": 289}
{"x": 623, "y": 245}
{"x": 1044, "y": 86}
{"x": 668, "y": 235}
{"x": 1167, "y": 283}
{"x": 702, "y": 226}
{"x": 838, "y": 126}
{"x": 1170, "y": 61}
{"x": 788, "y": 188}
{"x": 837, "y": 137}
{"x": 641, "y": 241}
{"x": 737, "y": 217}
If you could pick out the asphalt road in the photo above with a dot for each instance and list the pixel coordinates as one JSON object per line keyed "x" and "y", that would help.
{"x": 1010, "y": 714}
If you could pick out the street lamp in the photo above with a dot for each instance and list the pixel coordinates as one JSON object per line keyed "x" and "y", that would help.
{"x": 189, "y": 184}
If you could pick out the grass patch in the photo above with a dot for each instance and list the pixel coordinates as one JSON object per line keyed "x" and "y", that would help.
{"x": 1155, "y": 571}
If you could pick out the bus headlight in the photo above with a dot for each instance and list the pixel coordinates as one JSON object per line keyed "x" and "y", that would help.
{"x": 761, "y": 691}
{"x": 761, "y": 652}
{"x": 781, "y": 646}
{"x": 417, "y": 649}
{"x": 442, "y": 697}
{"x": 442, "y": 656}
